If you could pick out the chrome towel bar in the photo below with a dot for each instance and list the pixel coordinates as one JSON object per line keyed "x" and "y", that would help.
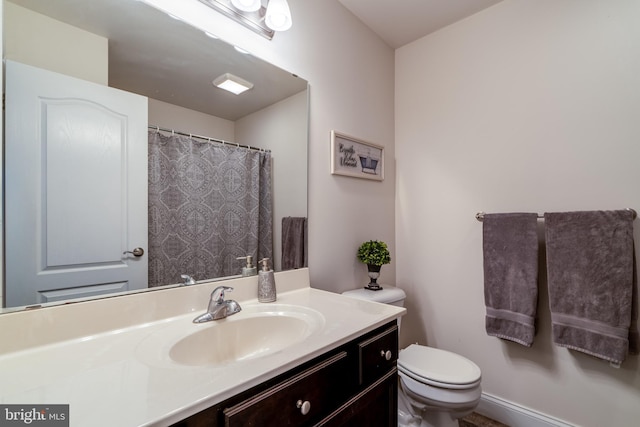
{"x": 480, "y": 215}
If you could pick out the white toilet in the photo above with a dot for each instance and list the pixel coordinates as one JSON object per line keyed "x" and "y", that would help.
{"x": 436, "y": 387}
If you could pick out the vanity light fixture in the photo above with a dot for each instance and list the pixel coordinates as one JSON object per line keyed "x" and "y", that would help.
{"x": 247, "y": 5}
{"x": 278, "y": 16}
{"x": 231, "y": 83}
{"x": 265, "y": 17}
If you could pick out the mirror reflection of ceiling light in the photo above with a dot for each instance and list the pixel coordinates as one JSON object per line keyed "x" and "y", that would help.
{"x": 233, "y": 84}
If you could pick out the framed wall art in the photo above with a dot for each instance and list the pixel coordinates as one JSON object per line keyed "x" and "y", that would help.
{"x": 356, "y": 158}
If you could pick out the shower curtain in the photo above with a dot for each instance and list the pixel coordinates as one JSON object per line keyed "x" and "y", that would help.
{"x": 209, "y": 204}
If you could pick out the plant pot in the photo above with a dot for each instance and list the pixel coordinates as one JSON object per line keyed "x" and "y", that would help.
{"x": 374, "y": 273}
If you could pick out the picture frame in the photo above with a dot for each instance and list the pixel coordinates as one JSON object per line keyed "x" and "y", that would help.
{"x": 356, "y": 158}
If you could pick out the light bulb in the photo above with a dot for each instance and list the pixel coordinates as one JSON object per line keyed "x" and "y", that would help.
{"x": 247, "y": 5}
{"x": 278, "y": 16}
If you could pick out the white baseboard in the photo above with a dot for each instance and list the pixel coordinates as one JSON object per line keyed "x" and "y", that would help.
{"x": 515, "y": 415}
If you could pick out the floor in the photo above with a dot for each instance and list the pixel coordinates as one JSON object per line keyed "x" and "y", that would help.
{"x": 477, "y": 420}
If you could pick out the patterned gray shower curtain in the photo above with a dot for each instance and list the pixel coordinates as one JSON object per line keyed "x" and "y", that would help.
{"x": 209, "y": 204}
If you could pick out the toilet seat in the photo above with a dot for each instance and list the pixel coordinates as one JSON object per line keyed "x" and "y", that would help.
{"x": 438, "y": 368}
{"x": 425, "y": 396}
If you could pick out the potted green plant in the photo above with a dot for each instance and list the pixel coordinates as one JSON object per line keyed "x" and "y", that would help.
{"x": 375, "y": 254}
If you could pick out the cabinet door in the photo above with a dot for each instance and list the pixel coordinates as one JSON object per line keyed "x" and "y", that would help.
{"x": 378, "y": 355}
{"x": 377, "y": 405}
{"x": 300, "y": 401}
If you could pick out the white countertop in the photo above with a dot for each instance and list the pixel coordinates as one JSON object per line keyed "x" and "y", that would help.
{"x": 112, "y": 379}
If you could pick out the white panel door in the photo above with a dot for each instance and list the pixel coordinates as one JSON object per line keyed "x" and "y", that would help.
{"x": 76, "y": 187}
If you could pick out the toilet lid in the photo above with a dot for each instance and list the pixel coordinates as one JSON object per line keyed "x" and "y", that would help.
{"x": 435, "y": 365}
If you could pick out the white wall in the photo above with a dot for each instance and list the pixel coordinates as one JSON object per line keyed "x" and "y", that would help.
{"x": 351, "y": 74}
{"x": 171, "y": 116}
{"x": 282, "y": 127}
{"x": 35, "y": 39}
{"x": 528, "y": 106}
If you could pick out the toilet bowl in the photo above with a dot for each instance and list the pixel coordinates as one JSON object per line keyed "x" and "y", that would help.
{"x": 435, "y": 387}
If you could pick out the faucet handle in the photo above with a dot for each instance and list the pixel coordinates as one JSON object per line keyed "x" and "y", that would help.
{"x": 188, "y": 280}
{"x": 217, "y": 295}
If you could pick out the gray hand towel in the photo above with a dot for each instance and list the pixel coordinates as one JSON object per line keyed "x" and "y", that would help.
{"x": 590, "y": 269}
{"x": 294, "y": 242}
{"x": 510, "y": 248}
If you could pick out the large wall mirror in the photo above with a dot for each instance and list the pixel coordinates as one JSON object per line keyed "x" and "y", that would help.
{"x": 60, "y": 52}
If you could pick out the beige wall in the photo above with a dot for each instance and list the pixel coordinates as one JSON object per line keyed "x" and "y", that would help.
{"x": 171, "y": 116}
{"x": 528, "y": 106}
{"x": 34, "y": 39}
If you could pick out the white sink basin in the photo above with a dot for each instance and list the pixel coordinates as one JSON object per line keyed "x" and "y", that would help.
{"x": 258, "y": 330}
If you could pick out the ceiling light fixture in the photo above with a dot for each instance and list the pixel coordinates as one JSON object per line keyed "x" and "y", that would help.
{"x": 233, "y": 84}
{"x": 269, "y": 17}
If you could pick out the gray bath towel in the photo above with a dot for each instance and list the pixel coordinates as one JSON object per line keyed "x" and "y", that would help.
{"x": 294, "y": 242}
{"x": 590, "y": 269}
{"x": 510, "y": 247}
{"x": 634, "y": 335}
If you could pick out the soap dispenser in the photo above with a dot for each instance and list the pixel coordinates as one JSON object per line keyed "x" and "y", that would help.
{"x": 266, "y": 283}
{"x": 249, "y": 269}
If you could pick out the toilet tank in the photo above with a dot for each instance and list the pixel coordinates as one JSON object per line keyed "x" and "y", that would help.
{"x": 388, "y": 295}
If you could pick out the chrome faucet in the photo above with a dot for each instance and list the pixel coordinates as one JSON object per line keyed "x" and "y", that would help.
{"x": 219, "y": 308}
{"x": 188, "y": 280}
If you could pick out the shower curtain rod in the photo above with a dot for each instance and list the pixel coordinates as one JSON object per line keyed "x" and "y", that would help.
{"x": 480, "y": 215}
{"x": 206, "y": 138}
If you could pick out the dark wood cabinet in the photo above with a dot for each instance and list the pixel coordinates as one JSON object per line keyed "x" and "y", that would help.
{"x": 354, "y": 384}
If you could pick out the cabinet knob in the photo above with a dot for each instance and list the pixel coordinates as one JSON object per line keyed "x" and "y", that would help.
{"x": 386, "y": 354}
{"x": 304, "y": 407}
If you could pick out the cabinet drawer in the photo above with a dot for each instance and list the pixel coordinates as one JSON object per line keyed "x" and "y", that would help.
{"x": 299, "y": 401}
{"x": 378, "y": 354}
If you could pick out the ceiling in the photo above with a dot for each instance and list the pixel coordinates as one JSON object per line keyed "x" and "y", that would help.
{"x": 163, "y": 58}
{"x": 399, "y": 22}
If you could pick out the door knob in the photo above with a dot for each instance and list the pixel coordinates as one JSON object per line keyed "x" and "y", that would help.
{"x": 135, "y": 252}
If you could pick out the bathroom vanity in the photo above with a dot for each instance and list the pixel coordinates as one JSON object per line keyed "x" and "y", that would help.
{"x": 312, "y": 357}
{"x": 355, "y": 384}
